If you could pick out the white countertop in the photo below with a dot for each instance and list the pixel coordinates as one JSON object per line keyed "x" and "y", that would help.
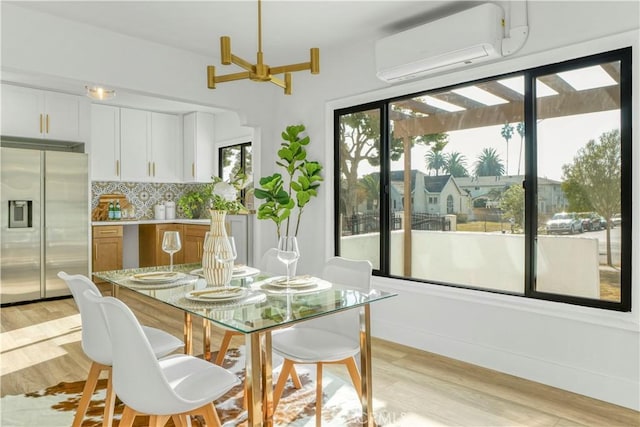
{"x": 153, "y": 221}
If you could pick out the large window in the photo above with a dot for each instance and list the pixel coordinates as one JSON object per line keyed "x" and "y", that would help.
{"x": 519, "y": 184}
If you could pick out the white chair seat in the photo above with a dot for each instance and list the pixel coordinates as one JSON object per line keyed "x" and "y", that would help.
{"x": 308, "y": 345}
{"x": 194, "y": 380}
{"x": 162, "y": 342}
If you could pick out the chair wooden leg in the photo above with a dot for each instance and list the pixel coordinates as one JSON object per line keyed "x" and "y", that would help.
{"x": 210, "y": 415}
{"x": 158, "y": 420}
{"x": 295, "y": 378}
{"x": 318, "y": 394}
{"x": 181, "y": 420}
{"x": 109, "y": 401}
{"x": 287, "y": 366}
{"x": 224, "y": 346}
{"x": 87, "y": 392}
{"x": 354, "y": 373}
{"x": 128, "y": 415}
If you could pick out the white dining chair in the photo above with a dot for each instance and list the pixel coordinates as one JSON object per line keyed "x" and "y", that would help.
{"x": 176, "y": 386}
{"x": 270, "y": 264}
{"x": 96, "y": 345}
{"x": 331, "y": 339}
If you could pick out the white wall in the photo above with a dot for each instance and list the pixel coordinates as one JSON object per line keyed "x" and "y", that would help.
{"x": 589, "y": 351}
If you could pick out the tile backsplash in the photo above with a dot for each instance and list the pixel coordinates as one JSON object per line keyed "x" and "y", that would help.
{"x": 143, "y": 196}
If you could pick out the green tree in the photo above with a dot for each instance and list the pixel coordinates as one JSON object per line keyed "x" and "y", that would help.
{"x": 577, "y": 196}
{"x": 435, "y": 161}
{"x": 512, "y": 205}
{"x": 507, "y": 133}
{"x": 360, "y": 141}
{"x": 489, "y": 163}
{"x": 596, "y": 170}
{"x": 370, "y": 187}
{"x": 456, "y": 164}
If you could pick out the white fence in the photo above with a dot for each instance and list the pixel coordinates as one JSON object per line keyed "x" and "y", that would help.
{"x": 565, "y": 265}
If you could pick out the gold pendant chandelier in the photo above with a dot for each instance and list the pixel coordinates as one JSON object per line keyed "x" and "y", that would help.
{"x": 259, "y": 72}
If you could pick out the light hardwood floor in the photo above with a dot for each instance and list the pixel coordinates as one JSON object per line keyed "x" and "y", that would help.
{"x": 41, "y": 347}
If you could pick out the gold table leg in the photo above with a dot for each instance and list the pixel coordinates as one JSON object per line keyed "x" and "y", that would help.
{"x": 365, "y": 368}
{"x": 253, "y": 374}
{"x": 188, "y": 334}
{"x": 267, "y": 380}
{"x": 206, "y": 339}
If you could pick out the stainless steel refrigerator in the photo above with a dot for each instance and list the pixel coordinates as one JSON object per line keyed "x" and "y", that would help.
{"x": 45, "y": 222}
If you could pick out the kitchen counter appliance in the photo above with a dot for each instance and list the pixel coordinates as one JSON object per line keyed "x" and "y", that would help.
{"x": 44, "y": 219}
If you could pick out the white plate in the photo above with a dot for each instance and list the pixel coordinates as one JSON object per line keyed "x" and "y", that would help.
{"x": 317, "y": 286}
{"x": 295, "y": 282}
{"x": 157, "y": 277}
{"x": 213, "y": 295}
{"x": 238, "y": 272}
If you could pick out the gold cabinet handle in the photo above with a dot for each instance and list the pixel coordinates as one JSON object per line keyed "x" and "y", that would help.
{"x": 154, "y": 168}
{"x": 47, "y": 123}
{"x": 193, "y": 170}
{"x": 40, "y": 123}
{"x": 95, "y": 252}
{"x": 108, "y": 232}
{"x": 149, "y": 168}
{"x": 117, "y": 167}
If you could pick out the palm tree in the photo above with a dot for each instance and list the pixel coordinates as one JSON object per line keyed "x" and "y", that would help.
{"x": 456, "y": 164}
{"x": 507, "y": 132}
{"x": 435, "y": 161}
{"x": 489, "y": 163}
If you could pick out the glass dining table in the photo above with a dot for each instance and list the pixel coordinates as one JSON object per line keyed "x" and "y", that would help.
{"x": 255, "y": 305}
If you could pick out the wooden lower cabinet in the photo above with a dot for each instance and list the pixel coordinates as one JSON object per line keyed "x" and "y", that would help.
{"x": 193, "y": 243}
{"x": 106, "y": 248}
{"x": 150, "y": 244}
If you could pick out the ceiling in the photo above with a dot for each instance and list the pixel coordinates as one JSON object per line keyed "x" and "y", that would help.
{"x": 289, "y": 28}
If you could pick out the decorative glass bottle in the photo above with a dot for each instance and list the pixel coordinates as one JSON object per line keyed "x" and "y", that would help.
{"x": 216, "y": 273}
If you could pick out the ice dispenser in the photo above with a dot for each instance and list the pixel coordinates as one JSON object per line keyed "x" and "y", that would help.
{"x": 20, "y": 213}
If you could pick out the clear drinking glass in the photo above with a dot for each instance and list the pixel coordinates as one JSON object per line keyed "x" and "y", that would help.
{"x": 288, "y": 252}
{"x": 171, "y": 244}
{"x": 225, "y": 250}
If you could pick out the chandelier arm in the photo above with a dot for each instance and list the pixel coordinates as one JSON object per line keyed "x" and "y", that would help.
{"x": 278, "y": 82}
{"x": 290, "y": 68}
{"x": 232, "y": 77}
{"x": 242, "y": 63}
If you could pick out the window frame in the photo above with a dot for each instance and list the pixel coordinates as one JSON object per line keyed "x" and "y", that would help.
{"x": 243, "y": 161}
{"x": 624, "y": 56}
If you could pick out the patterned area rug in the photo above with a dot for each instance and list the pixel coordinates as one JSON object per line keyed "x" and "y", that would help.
{"x": 55, "y": 406}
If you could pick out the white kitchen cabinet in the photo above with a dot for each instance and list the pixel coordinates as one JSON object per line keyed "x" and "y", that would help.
{"x": 34, "y": 113}
{"x": 150, "y": 146}
{"x": 199, "y": 148}
{"x": 166, "y": 148}
{"x": 104, "y": 146}
{"x": 135, "y": 141}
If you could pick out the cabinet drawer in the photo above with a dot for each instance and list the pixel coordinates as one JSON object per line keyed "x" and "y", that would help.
{"x": 107, "y": 231}
{"x": 196, "y": 230}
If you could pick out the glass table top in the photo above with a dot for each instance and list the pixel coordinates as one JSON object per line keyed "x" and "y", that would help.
{"x": 254, "y": 301}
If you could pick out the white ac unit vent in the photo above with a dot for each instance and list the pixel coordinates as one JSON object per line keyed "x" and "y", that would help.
{"x": 468, "y": 37}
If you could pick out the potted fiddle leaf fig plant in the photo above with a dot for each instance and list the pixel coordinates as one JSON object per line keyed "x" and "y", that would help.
{"x": 292, "y": 190}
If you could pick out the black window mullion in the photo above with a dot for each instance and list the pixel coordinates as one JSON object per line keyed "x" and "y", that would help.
{"x": 385, "y": 202}
{"x": 530, "y": 184}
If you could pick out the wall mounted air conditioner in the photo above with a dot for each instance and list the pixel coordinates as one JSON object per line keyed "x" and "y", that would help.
{"x": 467, "y": 37}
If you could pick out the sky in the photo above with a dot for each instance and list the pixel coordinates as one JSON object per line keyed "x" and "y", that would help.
{"x": 559, "y": 140}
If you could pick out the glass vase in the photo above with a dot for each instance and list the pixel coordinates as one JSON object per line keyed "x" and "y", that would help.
{"x": 216, "y": 273}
